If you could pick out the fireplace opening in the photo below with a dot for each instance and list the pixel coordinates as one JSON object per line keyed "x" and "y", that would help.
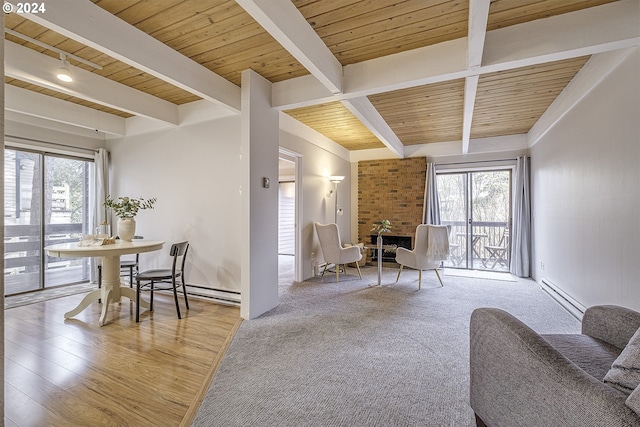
{"x": 390, "y": 244}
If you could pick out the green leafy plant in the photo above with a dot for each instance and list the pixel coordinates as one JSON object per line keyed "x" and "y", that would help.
{"x": 127, "y": 207}
{"x": 383, "y": 226}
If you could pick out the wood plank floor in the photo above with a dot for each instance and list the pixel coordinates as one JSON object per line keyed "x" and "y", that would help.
{"x": 75, "y": 373}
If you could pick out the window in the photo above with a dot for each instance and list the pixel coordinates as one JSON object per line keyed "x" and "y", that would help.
{"x": 46, "y": 202}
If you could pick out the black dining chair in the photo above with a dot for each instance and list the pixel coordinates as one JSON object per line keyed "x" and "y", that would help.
{"x": 147, "y": 280}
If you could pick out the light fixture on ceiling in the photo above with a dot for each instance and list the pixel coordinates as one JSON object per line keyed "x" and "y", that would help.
{"x": 63, "y": 73}
{"x": 336, "y": 179}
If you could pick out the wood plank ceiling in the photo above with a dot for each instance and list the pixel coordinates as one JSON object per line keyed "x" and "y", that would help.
{"x": 221, "y": 36}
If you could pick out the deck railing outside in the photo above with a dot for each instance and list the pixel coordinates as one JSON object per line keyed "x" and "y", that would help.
{"x": 483, "y": 234}
{"x": 23, "y": 263}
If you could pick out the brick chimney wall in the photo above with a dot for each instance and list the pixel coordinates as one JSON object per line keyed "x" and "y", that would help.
{"x": 391, "y": 189}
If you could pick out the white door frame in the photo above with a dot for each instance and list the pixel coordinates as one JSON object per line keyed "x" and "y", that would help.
{"x": 297, "y": 160}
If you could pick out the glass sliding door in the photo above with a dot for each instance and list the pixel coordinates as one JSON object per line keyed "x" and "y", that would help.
{"x": 477, "y": 205}
{"x": 46, "y": 202}
{"x": 66, "y": 201}
{"x": 22, "y": 221}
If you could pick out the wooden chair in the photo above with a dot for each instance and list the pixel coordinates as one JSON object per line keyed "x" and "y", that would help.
{"x": 147, "y": 280}
{"x": 498, "y": 253}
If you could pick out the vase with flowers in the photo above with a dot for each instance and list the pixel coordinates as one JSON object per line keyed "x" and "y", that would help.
{"x": 126, "y": 209}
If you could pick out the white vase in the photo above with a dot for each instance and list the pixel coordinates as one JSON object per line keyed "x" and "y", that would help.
{"x": 126, "y": 229}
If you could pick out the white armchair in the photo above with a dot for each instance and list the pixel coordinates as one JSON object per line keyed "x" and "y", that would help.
{"x": 332, "y": 249}
{"x": 430, "y": 248}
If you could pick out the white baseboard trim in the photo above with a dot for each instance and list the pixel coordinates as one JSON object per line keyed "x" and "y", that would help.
{"x": 564, "y": 299}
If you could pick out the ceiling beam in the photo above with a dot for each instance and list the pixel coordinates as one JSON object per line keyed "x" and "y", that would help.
{"x": 594, "y": 71}
{"x": 93, "y": 26}
{"x": 30, "y": 66}
{"x": 34, "y": 104}
{"x": 285, "y": 23}
{"x": 364, "y": 110}
{"x": 598, "y": 29}
{"x": 470, "y": 90}
{"x": 478, "y": 16}
{"x": 589, "y": 31}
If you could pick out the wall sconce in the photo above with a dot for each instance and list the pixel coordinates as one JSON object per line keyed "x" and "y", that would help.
{"x": 336, "y": 179}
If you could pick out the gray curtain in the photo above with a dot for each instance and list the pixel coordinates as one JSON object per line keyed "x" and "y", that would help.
{"x": 100, "y": 186}
{"x": 431, "y": 209}
{"x": 521, "y": 228}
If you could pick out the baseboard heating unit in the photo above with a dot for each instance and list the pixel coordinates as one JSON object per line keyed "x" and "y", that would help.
{"x": 570, "y": 304}
{"x": 222, "y": 296}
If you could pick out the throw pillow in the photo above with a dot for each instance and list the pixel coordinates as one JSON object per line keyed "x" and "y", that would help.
{"x": 633, "y": 401}
{"x": 624, "y": 374}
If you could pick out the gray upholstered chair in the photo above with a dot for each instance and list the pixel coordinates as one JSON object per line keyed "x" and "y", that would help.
{"x": 521, "y": 378}
{"x": 430, "y": 248}
{"x": 333, "y": 251}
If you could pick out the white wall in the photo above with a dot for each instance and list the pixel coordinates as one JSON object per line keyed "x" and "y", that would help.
{"x": 195, "y": 172}
{"x": 317, "y": 204}
{"x": 586, "y": 194}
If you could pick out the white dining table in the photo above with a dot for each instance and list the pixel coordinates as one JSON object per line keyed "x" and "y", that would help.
{"x": 112, "y": 289}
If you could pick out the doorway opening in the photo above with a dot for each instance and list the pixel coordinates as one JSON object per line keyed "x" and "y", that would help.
{"x": 477, "y": 205}
{"x": 289, "y": 211}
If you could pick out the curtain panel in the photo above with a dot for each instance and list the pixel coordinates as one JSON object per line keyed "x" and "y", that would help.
{"x": 521, "y": 229}
{"x": 100, "y": 186}
{"x": 431, "y": 209}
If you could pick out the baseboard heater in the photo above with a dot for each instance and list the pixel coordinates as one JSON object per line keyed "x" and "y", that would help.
{"x": 222, "y": 296}
{"x": 570, "y": 304}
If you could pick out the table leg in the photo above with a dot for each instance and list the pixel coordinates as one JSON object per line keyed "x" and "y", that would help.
{"x": 86, "y": 302}
{"x": 111, "y": 291}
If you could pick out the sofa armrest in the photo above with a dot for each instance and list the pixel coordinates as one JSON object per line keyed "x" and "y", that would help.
{"x": 610, "y": 323}
{"x": 519, "y": 379}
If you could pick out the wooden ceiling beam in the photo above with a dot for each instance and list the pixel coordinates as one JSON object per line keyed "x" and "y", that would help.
{"x": 95, "y": 27}
{"x": 286, "y": 24}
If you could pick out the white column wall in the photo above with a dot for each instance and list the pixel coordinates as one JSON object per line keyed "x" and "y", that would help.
{"x": 259, "y": 213}
{"x": 586, "y": 194}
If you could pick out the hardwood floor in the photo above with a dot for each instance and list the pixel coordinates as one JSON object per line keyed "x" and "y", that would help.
{"x": 75, "y": 373}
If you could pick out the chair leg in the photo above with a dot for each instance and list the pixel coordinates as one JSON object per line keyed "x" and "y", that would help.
{"x": 151, "y": 296}
{"x": 419, "y": 279}
{"x": 99, "y": 281}
{"x": 337, "y": 273}
{"x": 137, "y": 301}
{"x": 131, "y": 277}
{"x": 359, "y": 273}
{"x": 399, "y": 271}
{"x": 438, "y": 274}
{"x": 184, "y": 290}
{"x": 175, "y": 296}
